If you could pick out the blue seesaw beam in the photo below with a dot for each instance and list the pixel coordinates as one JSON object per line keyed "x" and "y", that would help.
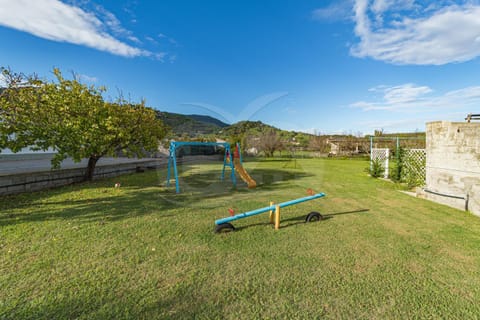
{"x": 269, "y": 208}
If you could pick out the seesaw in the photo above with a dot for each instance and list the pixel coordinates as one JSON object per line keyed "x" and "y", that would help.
{"x": 224, "y": 225}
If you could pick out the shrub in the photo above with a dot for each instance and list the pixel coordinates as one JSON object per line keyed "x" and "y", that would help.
{"x": 376, "y": 168}
{"x": 398, "y": 173}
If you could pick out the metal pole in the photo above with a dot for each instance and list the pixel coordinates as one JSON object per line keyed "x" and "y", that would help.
{"x": 277, "y": 217}
{"x": 222, "y": 177}
{"x": 239, "y": 153}
{"x": 170, "y": 162}
{"x": 271, "y": 217}
{"x": 398, "y": 150}
{"x": 232, "y": 167}
{"x": 175, "y": 171}
{"x": 168, "y": 171}
{"x": 371, "y": 153}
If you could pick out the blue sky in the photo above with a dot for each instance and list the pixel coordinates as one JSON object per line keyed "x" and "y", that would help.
{"x": 348, "y": 66}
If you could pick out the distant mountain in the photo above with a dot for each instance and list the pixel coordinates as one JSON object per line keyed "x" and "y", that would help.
{"x": 191, "y": 125}
{"x": 208, "y": 120}
{"x": 194, "y": 126}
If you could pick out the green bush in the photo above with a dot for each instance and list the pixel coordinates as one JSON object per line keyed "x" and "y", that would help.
{"x": 398, "y": 173}
{"x": 376, "y": 168}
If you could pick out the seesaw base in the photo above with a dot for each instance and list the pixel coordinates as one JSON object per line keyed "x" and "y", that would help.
{"x": 224, "y": 227}
{"x": 228, "y": 227}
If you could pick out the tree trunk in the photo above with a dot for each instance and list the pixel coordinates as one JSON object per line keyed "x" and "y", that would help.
{"x": 92, "y": 162}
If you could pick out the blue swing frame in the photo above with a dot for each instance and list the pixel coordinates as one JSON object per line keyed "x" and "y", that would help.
{"x": 172, "y": 160}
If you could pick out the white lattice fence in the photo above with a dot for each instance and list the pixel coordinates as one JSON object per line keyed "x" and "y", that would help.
{"x": 414, "y": 163}
{"x": 382, "y": 155}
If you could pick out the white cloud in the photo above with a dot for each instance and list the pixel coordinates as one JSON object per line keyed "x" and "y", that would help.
{"x": 172, "y": 58}
{"x": 150, "y": 39}
{"x": 169, "y": 39}
{"x": 3, "y": 81}
{"x": 412, "y": 98}
{"x": 339, "y": 10}
{"x": 431, "y": 35}
{"x": 402, "y": 94}
{"x": 379, "y": 7}
{"x": 160, "y": 56}
{"x": 58, "y": 21}
{"x": 86, "y": 78}
{"x": 111, "y": 22}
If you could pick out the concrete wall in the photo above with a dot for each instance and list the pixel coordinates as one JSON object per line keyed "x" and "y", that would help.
{"x": 453, "y": 164}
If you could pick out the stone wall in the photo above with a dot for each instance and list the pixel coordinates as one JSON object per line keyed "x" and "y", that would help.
{"x": 453, "y": 164}
{"x": 34, "y": 181}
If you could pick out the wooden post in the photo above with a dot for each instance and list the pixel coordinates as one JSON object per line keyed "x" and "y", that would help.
{"x": 277, "y": 217}
{"x": 271, "y": 217}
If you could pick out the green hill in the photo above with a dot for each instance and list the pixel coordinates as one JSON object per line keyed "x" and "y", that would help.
{"x": 250, "y": 133}
{"x": 190, "y": 125}
{"x": 208, "y": 120}
{"x": 250, "y": 129}
{"x": 246, "y": 128}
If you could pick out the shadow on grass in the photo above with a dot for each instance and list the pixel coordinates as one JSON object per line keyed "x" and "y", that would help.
{"x": 93, "y": 209}
{"x": 140, "y": 194}
{"x": 301, "y": 219}
{"x": 209, "y": 181}
{"x": 346, "y": 212}
{"x": 285, "y": 223}
{"x": 254, "y": 225}
{"x": 183, "y": 303}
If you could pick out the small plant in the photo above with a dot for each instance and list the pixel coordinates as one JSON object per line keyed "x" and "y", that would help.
{"x": 399, "y": 168}
{"x": 376, "y": 169}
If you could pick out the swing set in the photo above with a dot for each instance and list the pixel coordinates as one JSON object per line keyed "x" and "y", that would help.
{"x": 233, "y": 160}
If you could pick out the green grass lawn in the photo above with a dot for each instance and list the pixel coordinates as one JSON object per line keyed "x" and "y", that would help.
{"x": 92, "y": 251}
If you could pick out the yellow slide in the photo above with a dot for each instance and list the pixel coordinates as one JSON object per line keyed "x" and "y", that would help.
{"x": 243, "y": 173}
